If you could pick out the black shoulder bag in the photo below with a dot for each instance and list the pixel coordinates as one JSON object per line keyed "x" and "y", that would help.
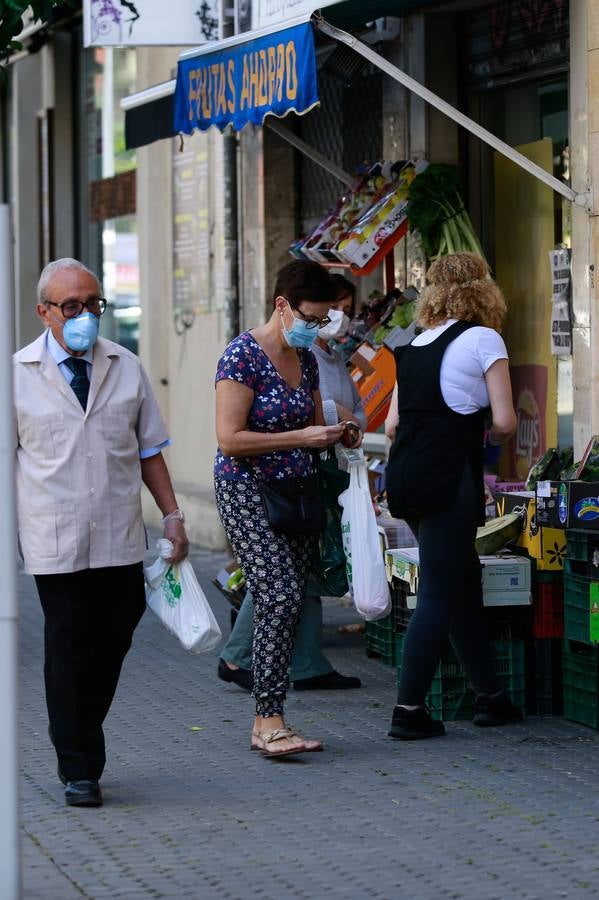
{"x": 293, "y": 506}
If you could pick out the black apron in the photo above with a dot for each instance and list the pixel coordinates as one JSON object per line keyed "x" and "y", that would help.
{"x": 433, "y": 443}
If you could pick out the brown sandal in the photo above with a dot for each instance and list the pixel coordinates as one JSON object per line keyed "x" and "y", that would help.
{"x": 261, "y": 741}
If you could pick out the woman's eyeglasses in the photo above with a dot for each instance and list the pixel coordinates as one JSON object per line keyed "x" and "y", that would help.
{"x": 312, "y": 321}
{"x": 73, "y": 308}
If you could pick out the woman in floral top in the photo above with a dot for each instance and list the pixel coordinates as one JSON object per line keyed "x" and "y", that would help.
{"x": 269, "y": 423}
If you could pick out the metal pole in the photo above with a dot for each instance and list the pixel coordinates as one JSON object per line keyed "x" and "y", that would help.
{"x": 10, "y": 866}
{"x": 580, "y": 199}
{"x": 230, "y": 218}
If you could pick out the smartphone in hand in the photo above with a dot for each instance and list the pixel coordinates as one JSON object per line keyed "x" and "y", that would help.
{"x": 351, "y": 434}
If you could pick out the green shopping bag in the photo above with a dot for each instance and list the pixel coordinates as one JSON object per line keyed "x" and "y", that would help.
{"x": 328, "y": 573}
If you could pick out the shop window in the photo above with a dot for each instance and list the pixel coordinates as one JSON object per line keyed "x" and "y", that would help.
{"x": 109, "y": 243}
{"x": 348, "y": 129}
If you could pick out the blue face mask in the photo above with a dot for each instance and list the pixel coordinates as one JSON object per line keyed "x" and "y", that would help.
{"x": 299, "y": 335}
{"x": 80, "y": 333}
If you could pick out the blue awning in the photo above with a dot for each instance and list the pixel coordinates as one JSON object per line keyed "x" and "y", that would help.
{"x": 272, "y": 74}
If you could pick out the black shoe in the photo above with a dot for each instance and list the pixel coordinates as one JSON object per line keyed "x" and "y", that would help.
{"x": 83, "y": 793}
{"x": 414, "y": 724}
{"x": 330, "y": 681}
{"x": 495, "y": 709}
{"x": 244, "y": 678}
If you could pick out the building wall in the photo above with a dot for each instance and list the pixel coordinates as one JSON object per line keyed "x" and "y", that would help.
{"x": 26, "y": 99}
{"x": 181, "y": 366}
{"x": 584, "y": 133}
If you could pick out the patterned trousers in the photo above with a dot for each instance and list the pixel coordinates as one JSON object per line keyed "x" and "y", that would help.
{"x": 276, "y": 570}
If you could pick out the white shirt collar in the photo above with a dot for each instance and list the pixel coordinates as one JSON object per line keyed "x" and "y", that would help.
{"x": 59, "y": 354}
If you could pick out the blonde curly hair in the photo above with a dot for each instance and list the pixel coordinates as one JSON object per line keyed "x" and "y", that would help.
{"x": 460, "y": 288}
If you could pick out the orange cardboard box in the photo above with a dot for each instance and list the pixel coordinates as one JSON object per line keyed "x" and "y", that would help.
{"x": 374, "y": 377}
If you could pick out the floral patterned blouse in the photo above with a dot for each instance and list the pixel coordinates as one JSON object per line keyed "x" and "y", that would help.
{"x": 276, "y": 407}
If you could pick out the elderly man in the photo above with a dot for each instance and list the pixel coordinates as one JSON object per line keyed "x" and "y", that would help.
{"x": 88, "y": 433}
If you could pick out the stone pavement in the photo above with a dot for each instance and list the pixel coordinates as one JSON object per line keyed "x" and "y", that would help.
{"x": 190, "y": 813}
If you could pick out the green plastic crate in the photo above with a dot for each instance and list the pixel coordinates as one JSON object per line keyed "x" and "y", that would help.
{"x": 576, "y": 605}
{"x": 380, "y": 640}
{"x": 581, "y": 544}
{"x": 451, "y": 698}
{"x": 581, "y": 683}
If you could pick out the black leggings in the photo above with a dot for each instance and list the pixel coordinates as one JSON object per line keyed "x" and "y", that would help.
{"x": 450, "y": 602}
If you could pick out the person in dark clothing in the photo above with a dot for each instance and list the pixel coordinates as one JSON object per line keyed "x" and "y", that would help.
{"x": 447, "y": 380}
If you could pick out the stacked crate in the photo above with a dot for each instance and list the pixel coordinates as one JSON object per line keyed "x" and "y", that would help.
{"x": 580, "y": 651}
{"x": 545, "y": 692}
{"x": 546, "y": 549}
{"x": 451, "y": 697}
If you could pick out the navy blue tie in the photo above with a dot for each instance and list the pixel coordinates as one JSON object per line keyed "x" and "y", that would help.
{"x": 80, "y": 382}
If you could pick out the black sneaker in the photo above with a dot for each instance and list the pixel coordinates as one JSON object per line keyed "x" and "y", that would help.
{"x": 414, "y": 724}
{"x": 243, "y": 678}
{"x": 495, "y": 709}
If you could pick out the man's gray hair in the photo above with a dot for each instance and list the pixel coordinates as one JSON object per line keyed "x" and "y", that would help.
{"x": 55, "y": 266}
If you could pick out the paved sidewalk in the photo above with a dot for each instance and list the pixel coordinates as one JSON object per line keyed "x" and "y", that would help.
{"x": 190, "y": 813}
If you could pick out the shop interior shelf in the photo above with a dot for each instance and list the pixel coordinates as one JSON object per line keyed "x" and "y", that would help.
{"x": 581, "y": 683}
{"x": 451, "y": 698}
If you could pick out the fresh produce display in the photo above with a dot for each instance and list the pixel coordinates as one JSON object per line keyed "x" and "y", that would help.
{"x": 403, "y": 315}
{"x": 563, "y": 460}
{"x": 588, "y": 467}
{"x": 539, "y": 471}
{"x": 497, "y": 534}
{"x": 436, "y": 211}
{"x": 372, "y": 186}
{"x": 379, "y": 223}
{"x": 366, "y": 221}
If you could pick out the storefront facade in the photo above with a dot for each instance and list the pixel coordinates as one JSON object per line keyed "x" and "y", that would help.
{"x": 169, "y": 261}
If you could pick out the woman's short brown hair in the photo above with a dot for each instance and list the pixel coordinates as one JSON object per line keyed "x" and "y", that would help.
{"x": 460, "y": 288}
{"x": 303, "y": 279}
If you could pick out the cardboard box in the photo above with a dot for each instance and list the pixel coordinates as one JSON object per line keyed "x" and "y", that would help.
{"x": 568, "y": 504}
{"x": 375, "y": 380}
{"x": 544, "y": 544}
{"x": 506, "y": 579}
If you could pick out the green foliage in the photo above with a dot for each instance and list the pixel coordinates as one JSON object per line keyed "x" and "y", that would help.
{"x": 436, "y": 210}
{"x": 11, "y": 19}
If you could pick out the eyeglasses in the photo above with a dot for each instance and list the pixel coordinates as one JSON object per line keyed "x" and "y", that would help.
{"x": 312, "y": 321}
{"x": 73, "y": 308}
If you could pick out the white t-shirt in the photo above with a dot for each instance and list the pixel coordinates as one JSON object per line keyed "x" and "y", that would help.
{"x": 464, "y": 364}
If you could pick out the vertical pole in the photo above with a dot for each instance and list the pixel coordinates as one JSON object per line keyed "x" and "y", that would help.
{"x": 10, "y": 866}
{"x": 230, "y": 227}
{"x": 230, "y": 219}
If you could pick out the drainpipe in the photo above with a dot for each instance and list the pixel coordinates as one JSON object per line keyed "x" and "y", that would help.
{"x": 230, "y": 221}
{"x": 10, "y": 864}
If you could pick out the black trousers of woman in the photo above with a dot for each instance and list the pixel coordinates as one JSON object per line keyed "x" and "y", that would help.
{"x": 450, "y": 601}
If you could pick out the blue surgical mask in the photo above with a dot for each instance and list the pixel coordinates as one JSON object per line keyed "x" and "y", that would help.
{"x": 80, "y": 333}
{"x": 299, "y": 335}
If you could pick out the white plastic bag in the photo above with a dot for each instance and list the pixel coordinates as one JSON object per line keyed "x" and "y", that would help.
{"x": 365, "y": 565}
{"x": 173, "y": 593}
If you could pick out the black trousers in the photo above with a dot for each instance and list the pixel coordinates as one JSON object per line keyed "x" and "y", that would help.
{"x": 90, "y": 617}
{"x": 450, "y": 600}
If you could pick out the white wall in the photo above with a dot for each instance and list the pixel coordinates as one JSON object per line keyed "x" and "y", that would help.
{"x": 181, "y": 367}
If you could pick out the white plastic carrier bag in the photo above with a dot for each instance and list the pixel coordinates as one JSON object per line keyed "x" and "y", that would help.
{"x": 173, "y": 593}
{"x": 365, "y": 564}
